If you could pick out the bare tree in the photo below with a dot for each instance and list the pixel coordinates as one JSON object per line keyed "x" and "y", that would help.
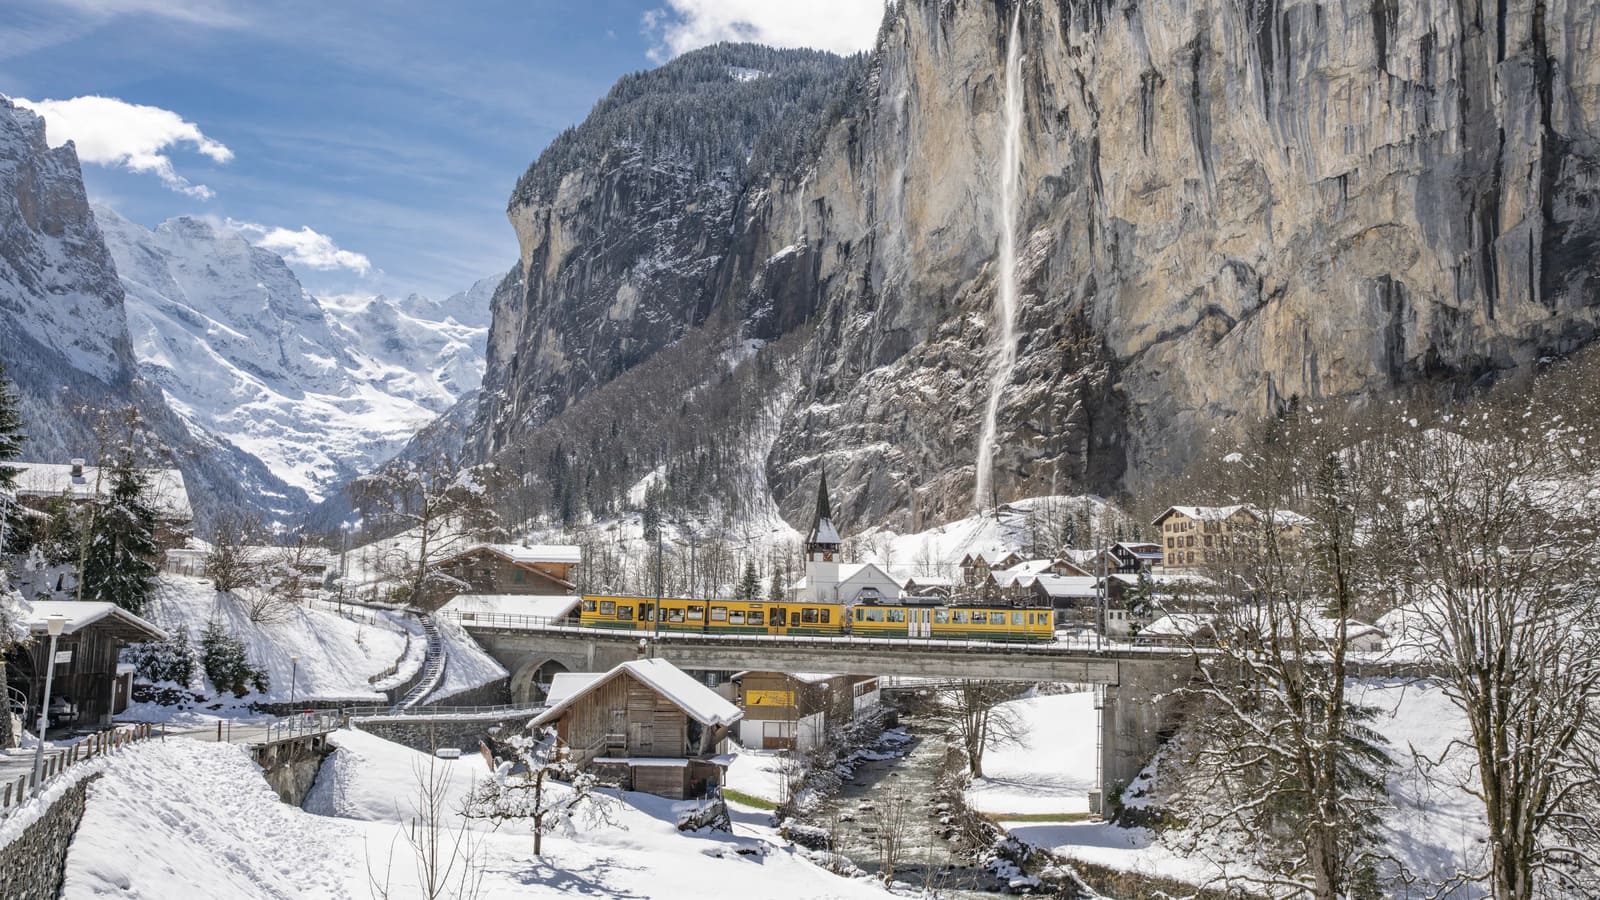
{"x": 1504, "y": 599}
{"x": 971, "y": 710}
{"x": 535, "y": 797}
{"x": 890, "y": 820}
{"x": 229, "y": 563}
{"x": 446, "y": 853}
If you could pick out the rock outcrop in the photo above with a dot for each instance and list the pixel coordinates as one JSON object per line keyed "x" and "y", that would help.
{"x": 1226, "y": 204}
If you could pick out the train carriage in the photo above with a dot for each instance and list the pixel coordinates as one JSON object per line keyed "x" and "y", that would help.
{"x": 818, "y": 619}
{"x": 953, "y": 623}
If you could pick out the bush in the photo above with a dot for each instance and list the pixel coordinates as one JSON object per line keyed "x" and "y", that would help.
{"x": 160, "y": 661}
{"x": 227, "y": 663}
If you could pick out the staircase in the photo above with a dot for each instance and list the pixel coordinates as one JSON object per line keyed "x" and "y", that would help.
{"x": 432, "y": 666}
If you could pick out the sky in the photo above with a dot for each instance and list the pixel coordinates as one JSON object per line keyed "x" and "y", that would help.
{"x": 374, "y": 143}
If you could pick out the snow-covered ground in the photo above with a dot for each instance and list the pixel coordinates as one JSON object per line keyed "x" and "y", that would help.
{"x": 467, "y": 664}
{"x": 762, "y": 774}
{"x": 1434, "y": 828}
{"x": 335, "y": 655}
{"x": 1051, "y": 770}
{"x": 185, "y": 819}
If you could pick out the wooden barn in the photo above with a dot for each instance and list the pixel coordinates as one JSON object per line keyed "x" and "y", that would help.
{"x": 645, "y": 724}
{"x": 87, "y": 690}
{"x": 505, "y": 569}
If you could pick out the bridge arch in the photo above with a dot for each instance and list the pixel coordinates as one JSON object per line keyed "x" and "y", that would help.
{"x": 529, "y": 683}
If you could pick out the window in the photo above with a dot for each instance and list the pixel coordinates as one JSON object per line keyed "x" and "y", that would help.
{"x": 997, "y": 618}
{"x": 516, "y": 577}
{"x": 869, "y": 615}
{"x": 675, "y": 615}
{"x": 941, "y": 617}
{"x": 1016, "y": 618}
{"x": 958, "y": 617}
{"x": 897, "y": 615}
{"x": 588, "y": 606}
{"x": 824, "y": 614}
{"x": 1208, "y": 540}
{"x": 759, "y": 618}
{"x": 697, "y": 613}
{"x": 719, "y": 614}
{"x": 1189, "y": 542}
{"x": 608, "y": 607}
{"x": 624, "y": 612}
{"x": 736, "y": 617}
{"x": 1191, "y": 556}
{"x": 808, "y": 617}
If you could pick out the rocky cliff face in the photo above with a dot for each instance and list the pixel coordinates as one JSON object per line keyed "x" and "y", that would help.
{"x": 1226, "y": 204}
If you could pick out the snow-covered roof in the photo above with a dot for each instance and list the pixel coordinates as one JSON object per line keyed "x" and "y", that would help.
{"x": 802, "y": 677}
{"x": 532, "y": 553}
{"x": 1161, "y": 578}
{"x": 83, "y": 613}
{"x": 849, "y": 572}
{"x": 1221, "y": 513}
{"x": 538, "y": 605}
{"x": 1069, "y": 585}
{"x": 164, "y": 488}
{"x": 564, "y": 684}
{"x": 696, "y": 700}
{"x": 825, "y": 533}
{"x": 1179, "y": 625}
{"x": 931, "y": 580}
{"x": 1141, "y": 549}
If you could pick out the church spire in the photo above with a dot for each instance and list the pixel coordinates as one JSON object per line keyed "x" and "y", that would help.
{"x": 823, "y": 537}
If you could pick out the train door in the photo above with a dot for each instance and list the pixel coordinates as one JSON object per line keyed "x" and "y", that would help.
{"x": 919, "y": 622}
{"x": 647, "y": 611}
{"x": 778, "y": 620}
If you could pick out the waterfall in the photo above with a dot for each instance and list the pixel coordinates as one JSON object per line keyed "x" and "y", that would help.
{"x": 1005, "y": 310}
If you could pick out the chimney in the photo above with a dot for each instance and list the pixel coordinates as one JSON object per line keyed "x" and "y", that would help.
{"x": 77, "y": 468}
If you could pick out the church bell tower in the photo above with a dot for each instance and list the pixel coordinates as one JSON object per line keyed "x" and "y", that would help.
{"x": 822, "y": 551}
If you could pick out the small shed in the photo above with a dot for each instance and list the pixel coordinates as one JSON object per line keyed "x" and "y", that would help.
{"x": 85, "y": 689}
{"x": 793, "y": 711}
{"x": 645, "y": 723}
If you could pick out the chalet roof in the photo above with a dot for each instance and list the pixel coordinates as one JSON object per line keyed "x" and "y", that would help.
{"x": 532, "y": 553}
{"x": 165, "y": 489}
{"x": 540, "y": 606}
{"x": 81, "y": 614}
{"x": 696, "y": 700}
{"x": 1178, "y": 625}
{"x": 564, "y": 684}
{"x": 1141, "y": 549}
{"x": 1223, "y": 513}
{"x": 1077, "y": 586}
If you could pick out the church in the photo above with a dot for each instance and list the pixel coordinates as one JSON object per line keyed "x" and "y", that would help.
{"x": 827, "y": 579}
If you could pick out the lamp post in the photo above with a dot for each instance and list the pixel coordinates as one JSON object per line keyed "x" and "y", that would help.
{"x": 54, "y": 625}
{"x": 294, "y": 679}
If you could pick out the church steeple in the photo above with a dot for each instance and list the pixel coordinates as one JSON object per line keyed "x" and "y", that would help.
{"x": 823, "y": 537}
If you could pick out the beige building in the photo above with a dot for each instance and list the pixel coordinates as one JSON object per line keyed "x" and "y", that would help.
{"x": 1194, "y": 537}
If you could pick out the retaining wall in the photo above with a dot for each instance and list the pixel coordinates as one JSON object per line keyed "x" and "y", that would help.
{"x": 290, "y": 767}
{"x": 33, "y": 864}
{"x": 428, "y": 735}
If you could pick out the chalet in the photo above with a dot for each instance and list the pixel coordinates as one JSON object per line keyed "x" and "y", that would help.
{"x": 38, "y": 485}
{"x": 505, "y": 569}
{"x": 1126, "y": 558}
{"x": 86, "y": 690}
{"x": 1073, "y": 597}
{"x": 976, "y": 566}
{"x": 1015, "y": 584}
{"x": 1197, "y": 536}
{"x": 1179, "y": 629}
{"x": 511, "y": 608}
{"x": 927, "y": 586}
{"x": 313, "y": 563}
{"x": 646, "y": 724}
{"x": 794, "y": 711}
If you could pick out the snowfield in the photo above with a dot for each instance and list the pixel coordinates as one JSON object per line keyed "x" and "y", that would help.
{"x": 336, "y": 655}
{"x": 185, "y": 819}
{"x": 1052, "y": 770}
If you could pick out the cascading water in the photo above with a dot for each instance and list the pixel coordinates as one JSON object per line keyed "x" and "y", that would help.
{"x": 1005, "y": 345}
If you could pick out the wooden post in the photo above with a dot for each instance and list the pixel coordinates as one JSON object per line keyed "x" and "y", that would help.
{"x": 7, "y": 803}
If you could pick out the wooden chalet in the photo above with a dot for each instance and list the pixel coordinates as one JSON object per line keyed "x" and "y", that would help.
{"x": 645, "y": 724}
{"x": 793, "y": 711}
{"x": 546, "y": 569}
{"x": 40, "y": 485}
{"x": 86, "y": 691}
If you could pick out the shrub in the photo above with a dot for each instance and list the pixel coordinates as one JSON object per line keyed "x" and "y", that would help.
{"x": 227, "y": 662}
{"x": 161, "y": 661}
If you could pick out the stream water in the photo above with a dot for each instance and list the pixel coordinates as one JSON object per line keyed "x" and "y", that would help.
{"x": 896, "y": 797}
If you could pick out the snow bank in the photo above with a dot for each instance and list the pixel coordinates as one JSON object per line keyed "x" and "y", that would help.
{"x": 467, "y": 667}
{"x": 1052, "y": 770}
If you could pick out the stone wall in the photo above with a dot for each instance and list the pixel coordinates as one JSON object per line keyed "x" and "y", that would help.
{"x": 290, "y": 767}
{"x": 428, "y": 735}
{"x": 32, "y": 864}
{"x": 495, "y": 693}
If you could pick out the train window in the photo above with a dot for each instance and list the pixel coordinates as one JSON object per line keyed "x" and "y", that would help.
{"x": 697, "y": 613}
{"x": 756, "y": 617}
{"x": 624, "y": 612}
{"x": 736, "y": 617}
{"x": 588, "y": 606}
{"x": 778, "y": 617}
{"x": 941, "y": 617}
{"x": 1016, "y": 618}
{"x": 897, "y": 615}
{"x": 861, "y": 615}
{"x": 869, "y": 615}
{"x": 675, "y": 615}
{"x": 824, "y": 615}
{"x": 719, "y": 614}
{"x": 808, "y": 617}
{"x": 958, "y": 617}
{"x": 608, "y": 607}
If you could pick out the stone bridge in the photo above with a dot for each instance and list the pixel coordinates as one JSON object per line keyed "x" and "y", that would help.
{"x": 1138, "y": 684}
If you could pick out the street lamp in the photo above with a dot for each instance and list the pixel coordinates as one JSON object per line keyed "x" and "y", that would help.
{"x": 294, "y": 678}
{"x": 54, "y": 625}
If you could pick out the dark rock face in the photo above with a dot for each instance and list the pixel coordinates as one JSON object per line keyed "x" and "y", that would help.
{"x": 1225, "y": 205}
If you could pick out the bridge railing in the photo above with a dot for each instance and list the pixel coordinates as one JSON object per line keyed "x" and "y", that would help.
{"x": 440, "y": 712}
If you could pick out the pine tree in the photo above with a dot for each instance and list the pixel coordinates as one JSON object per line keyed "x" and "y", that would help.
{"x": 11, "y": 436}
{"x": 750, "y": 584}
{"x": 119, "y": 566}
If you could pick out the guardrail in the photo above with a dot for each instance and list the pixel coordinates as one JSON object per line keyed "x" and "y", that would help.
{"x": 15, "y": 793}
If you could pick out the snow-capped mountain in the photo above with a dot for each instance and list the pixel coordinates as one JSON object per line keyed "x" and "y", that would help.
{"x": 318, "y": 391}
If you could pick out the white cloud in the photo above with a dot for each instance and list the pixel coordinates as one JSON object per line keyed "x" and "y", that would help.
{"x": 842, "y": 26}
{"x": 111, "y": 132}
{"x": 211, "y": 13}
{"x": 305, "y": 247}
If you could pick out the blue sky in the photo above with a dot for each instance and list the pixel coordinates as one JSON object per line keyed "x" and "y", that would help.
{"x": 373, "y": 143}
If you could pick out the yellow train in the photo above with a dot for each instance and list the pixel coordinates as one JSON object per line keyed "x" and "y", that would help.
{"x": 821, "y": 619}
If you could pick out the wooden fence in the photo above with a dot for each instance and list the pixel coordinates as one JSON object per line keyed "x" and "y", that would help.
{"x": 14, "y": 793}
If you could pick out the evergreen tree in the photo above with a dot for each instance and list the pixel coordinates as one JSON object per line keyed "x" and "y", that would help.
{"x": 750, "y": 584}
{"x": 11, "y": 436}
{"x": 227, "y": 662}
{"x": 120, "y": 566}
